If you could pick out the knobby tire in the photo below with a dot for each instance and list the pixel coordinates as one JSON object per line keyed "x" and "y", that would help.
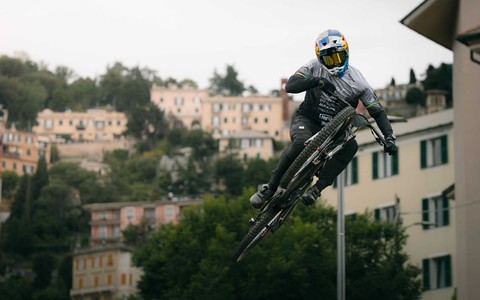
{"x": 248, "y": 242}
{"x": 328, "y": 130}
{"x": 332, "y": 128}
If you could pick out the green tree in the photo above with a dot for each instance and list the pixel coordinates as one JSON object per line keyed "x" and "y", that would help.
{"x": 229, "y": 172}
{"x": 258, "y": 171}
{"x": 228, "y": 85}
{"x": 40, "y": 178}
{"x": 10, "y": 181}
{"x": 42, "y": 265}
{"x": 24, "y": 108}
{"x": 146, "y": 123}
{"x": 413, "y": 78}
{"x": 415, "y": 96}
{"x": 392, "y": 82}
{"x": 439, "y": 78}
{"x": 188, "y": 260}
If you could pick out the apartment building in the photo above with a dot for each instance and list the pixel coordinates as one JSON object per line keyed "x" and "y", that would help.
{"x": 224, "y": 116}
{"x": 411, "y": 189}
{"x": 181, "y": 105}
{"x": 248, "y": 145}
{"x": 22, "y": 150}
{"x": 109, "y": 219}
{"x": 393, "y": 98}
{"x": 104, "y": 273}
{"x": 455, "y": 25}
{"x": 92, "y": 125}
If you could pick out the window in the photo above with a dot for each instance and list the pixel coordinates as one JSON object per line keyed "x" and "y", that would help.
{"x": 102, "y": 231}
{"x": 384, "y": 165}
{"x": 169, "y": 211}
{"x": 265, "y": 120}
{"x": 178, "y": 101}
{"x": 130, "y": 211}
{"x": 437, "y": 272}
{"x": 245, "y": 121}
{"x": 350, "y": 175}
{"x": 435, "y": 212}
{"x": 215, "y": 120}
{"x": 386, "y": 213}
{"x": 149, "y": 213}
{"x": 433, "y": 152}
{"x": 217, "y": 107}
{"x": 48, "y": 123}
{"x": 100, "y": 124}
{"x": 244, "y": 143}
{"x": 28, "y": 139}
{"x": 246, "y": 107}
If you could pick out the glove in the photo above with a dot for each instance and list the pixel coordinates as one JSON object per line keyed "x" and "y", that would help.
{"x": 390, "y": 146}
{"x": 325, "y": 85}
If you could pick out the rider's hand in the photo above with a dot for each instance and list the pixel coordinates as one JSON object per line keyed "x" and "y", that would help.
{"x": 325, "y": 85}
{"x": 390, "y": 146}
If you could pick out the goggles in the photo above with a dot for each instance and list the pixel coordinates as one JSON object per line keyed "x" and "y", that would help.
{"x": 333, "y": 57}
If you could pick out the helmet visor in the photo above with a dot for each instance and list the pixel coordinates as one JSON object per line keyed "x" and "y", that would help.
{"x": 333, "y": 57}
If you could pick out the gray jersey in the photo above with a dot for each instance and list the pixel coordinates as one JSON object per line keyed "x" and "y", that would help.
{"x": 351, "y": 87}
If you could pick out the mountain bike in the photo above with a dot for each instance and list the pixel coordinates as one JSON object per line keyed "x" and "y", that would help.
{"x": 302, "y": 174}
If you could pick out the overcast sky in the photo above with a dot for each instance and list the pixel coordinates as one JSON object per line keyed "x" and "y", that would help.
{"x": 265, "y": 40}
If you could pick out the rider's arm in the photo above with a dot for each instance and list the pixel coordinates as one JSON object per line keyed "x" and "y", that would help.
{"x": 300, "y": 82}
{"x": 376, "y": 111}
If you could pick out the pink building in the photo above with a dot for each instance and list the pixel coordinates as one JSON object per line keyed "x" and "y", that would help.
{"x": 108, "y": 220}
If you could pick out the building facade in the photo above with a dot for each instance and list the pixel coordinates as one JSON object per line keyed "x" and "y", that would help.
{"x": 247, "y": 145}
{"x": 104, "y": 273}
{"x": 393, "y": 99}
{"x": 108, "y": 220}
{"x": 455, "y": 25}
{"x": 22, "y": 150}
{"x": 180, "y": 104}
{"x": 92, "y": 125}
{"x": 224, "y": 116}
{"x": 410, "y": 189}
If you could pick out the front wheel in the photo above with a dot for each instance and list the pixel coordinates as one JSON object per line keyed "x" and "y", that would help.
{"x": 257, "y": 232}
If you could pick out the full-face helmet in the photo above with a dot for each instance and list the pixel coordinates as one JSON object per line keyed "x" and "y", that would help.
{"x": 331, "y": 49}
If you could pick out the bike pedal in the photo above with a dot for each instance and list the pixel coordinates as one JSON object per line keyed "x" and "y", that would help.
{"x": 251, "y": 221}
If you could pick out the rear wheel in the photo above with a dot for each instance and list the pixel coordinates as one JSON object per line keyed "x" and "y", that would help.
{"x": 257, "y": 232}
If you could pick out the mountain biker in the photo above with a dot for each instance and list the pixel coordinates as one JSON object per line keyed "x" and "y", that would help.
{"x": 329, "y": 72}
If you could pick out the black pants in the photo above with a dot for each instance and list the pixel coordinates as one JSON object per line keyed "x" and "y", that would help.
{"x": 301, "y": 129}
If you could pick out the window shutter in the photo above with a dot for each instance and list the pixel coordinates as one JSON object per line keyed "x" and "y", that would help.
{"x": 354, "y": 170}
{"x": 377, "y": 214}
{"x": 444, "y": 145}
{"x": 425, "y": 212}
{"x": 395, "y": 164}
{"x": 426, "y": 273}
{"x": 448, "y": 270}
{"x": 423, "y": 154}
{"x": 446, "y": 211}
{"x": 375, "y": 165}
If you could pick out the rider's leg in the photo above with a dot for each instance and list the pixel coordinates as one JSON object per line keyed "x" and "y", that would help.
{"x": 301, "y": 129}
{"x": 332, "y": 169}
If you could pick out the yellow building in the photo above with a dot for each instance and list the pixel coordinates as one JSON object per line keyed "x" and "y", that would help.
{"x": 180, "y": 104}
{"x": 455, "y": 24}
{"x": 248, "y": 145}
{"x": 92, "y": 125}
{"x": 411, "y": 189}
{"x": 104, "y": 273}
{"x": 22, "y": 150}
{"x": 224, "y": 116}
